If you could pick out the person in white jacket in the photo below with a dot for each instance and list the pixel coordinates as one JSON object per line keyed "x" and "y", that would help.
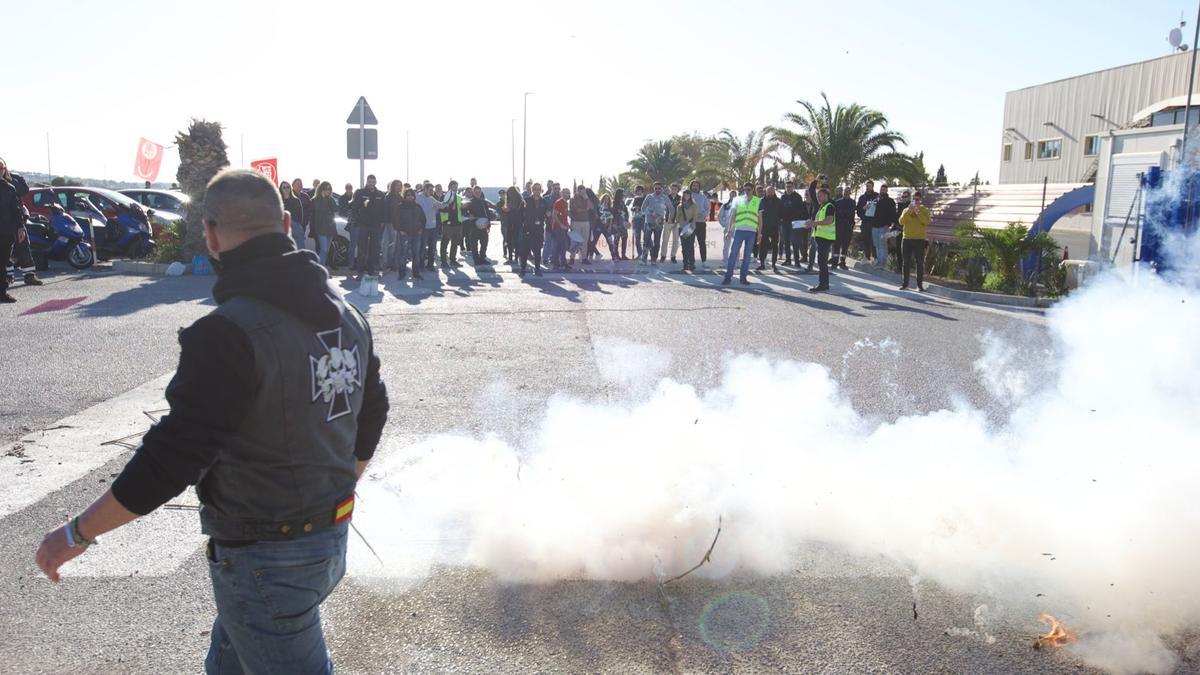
{"x": 724, "y": 219}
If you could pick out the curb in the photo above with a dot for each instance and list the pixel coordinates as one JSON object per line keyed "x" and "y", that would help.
{"x": 139, "y": 267}
{"x": 958, "y": 294}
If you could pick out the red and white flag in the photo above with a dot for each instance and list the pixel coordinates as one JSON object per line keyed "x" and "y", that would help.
{"x": 267, "y": 167}
{"x": 148, "y": 161}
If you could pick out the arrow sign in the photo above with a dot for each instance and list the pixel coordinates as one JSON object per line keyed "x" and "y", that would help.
{"x": 362, "y": 113}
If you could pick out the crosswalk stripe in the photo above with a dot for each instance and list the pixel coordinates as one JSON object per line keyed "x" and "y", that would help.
{"x": 44, "y": 461}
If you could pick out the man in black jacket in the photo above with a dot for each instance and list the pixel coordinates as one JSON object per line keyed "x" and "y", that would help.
{"x": 843, "y": 209}
{"x": 866, "y": 215}
{"x": 793, "y": 208}
{"x": 10, "y": 222}
{"x": 277, "y": 405}
{"x": 368, "y": 219}
{"x": 885, "y": 215}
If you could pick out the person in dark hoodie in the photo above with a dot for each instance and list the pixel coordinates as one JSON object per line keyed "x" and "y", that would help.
{"x": 533, "y": 229}
{"x": 368, "y": 209}
{"x": 323, "y": 228}
{"x": 306, "y": 200}
{"x": 11, "y": 221}
{"x": 408, "y": 219}
{"x": 865, "y": 208}
{"x": 295, "y": 209}
{"x": 477, "y": 209}
{"x": 277, "y": 405}
{"x": 843, "y": 213}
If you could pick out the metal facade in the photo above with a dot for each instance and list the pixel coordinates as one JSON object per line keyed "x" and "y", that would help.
{"x": 1072, "y": 110}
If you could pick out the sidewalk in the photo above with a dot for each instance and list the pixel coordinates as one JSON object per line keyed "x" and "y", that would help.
{"x": 955, "y": 293}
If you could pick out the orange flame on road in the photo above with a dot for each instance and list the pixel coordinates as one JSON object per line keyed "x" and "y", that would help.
{"x": 1058, "y": 636}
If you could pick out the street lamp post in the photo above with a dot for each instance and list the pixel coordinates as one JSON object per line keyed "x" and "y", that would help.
{"x": 524, "y": 139}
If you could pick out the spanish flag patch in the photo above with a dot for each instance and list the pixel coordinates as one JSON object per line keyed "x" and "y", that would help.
{"x": 344, "y": 510}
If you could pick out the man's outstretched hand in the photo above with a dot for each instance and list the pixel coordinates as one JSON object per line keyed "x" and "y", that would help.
{"x": 104, "y": 515}
{"x": 54, "y": 552}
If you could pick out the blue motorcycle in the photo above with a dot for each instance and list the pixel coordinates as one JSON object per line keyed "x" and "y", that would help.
{"x": 59, "y": 238}
{"x": 126, "y": 234}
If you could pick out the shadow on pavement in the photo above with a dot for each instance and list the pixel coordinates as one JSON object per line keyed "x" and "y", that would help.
{"x": 151, "y": 292}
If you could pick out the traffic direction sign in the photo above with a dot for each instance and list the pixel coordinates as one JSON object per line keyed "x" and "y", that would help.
{"x": 369, "y": 144}
{"x": 362, "y": 113}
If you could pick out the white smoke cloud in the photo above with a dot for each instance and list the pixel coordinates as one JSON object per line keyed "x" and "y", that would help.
{"x": 1084, "y": 491}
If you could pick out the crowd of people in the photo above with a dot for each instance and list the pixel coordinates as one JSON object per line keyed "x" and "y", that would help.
{"x": 418, "y": 228}
{"x": 411, "y": 229}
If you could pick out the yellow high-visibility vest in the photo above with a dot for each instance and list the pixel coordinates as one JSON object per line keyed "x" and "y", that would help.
{"x": 825, "y": 231}
{"x": 745, "y": 213}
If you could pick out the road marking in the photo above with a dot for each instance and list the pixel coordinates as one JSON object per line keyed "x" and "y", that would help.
{"x": 44, "y": 461}
{"x": 154, "y": 545}
{"x": 53, "y": 306}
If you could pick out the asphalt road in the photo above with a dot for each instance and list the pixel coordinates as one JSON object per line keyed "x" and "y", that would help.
{"x": 483, "y": 353}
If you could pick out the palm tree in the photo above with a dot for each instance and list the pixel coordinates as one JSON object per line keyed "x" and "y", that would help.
{"x": 849, "y": 144}
{"x": 658, "y": 161}
{"x": 611, "y": 184}
{"x": 1004, "y": 248}
{"x": 739, "y": 160}
{"x": 201, "y": 156}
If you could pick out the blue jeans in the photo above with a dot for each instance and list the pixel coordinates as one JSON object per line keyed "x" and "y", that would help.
{"x": 408, "y": 249}
{"x": 323, "y": 248}
{"x": 298, "y": 234}
{"x": 877, "y": 238}
{"x": 430, "y": 239}
{"x": 268, "y": 597}
{"x": 742, "y": 239}
{"x": 639, "y": 223}
{"x": 653, "y": 236}
{"x": 389, "y": 247}
{"x": 689, "y": 251}
{"x": 560, "y": 241}
{"x": 369, "y": 238}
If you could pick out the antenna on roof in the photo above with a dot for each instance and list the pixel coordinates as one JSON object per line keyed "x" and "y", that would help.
{"x": 1175, "y": 37}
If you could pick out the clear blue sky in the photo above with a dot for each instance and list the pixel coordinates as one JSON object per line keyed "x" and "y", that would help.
{"x": 607, "y": 77}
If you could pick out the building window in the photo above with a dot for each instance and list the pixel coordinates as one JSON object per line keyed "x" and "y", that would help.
{"x": 1175, "y": 116}
{"x": 1049, "y": 149}
{"x": 1007, "y": 152}
{"x": 1091, "y": 146}
{"x": 1028, "y": 150}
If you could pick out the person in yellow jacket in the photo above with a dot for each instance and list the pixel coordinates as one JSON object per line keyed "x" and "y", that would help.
{"x": 824, "y": 234}
{"x": 914, "y": 221}
{"x": 745, "y": 221}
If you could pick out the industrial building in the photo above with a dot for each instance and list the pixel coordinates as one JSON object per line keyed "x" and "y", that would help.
{"x": 1053, "y": 132}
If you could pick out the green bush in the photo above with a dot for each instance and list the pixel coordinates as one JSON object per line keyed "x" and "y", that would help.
{"x": 1004, "y": 249}
{"x": 169, "y": 244}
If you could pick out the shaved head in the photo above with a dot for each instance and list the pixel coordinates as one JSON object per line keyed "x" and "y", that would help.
{"x": 241, "y": 201}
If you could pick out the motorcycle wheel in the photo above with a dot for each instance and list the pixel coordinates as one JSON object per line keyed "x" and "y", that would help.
{"x": 81, "y": 258}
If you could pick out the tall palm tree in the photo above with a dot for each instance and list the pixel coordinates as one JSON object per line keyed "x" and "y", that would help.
{"x": 658, "y": 161}
{"x": 849, "y": 143}
{"x": 728, "y": 157}
{"x": 201, "y": 156}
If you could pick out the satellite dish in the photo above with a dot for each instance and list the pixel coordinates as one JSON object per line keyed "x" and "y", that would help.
{"x": 1175, "y": 37}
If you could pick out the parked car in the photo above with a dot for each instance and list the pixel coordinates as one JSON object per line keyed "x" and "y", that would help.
{"x": 171, "y": 201}
{"x": 38, "y": 202}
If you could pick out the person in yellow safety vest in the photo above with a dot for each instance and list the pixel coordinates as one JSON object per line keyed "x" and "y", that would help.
{"x": 824, "y": 234}
{"x": 452, "y": 229}
{"x": 745, "y": 221}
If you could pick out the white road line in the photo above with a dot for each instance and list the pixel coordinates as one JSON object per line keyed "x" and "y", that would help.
{"x": 153, "y": 545}
{"x": 44, "y": 461}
